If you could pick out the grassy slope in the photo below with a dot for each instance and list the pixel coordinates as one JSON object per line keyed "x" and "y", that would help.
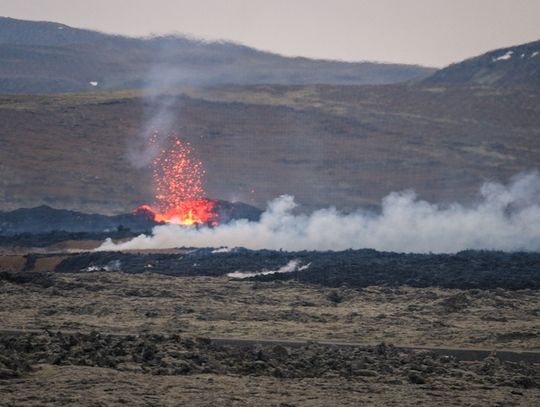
{"x": 327, "y": 145}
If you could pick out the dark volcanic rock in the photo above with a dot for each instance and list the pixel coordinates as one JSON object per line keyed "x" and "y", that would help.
{"x": 21, "y": 225}
{"x": 352, "y": 268}
{"x": 174, "y": 355}
{"x": 44, "y": 219}
{"x": 416, "y": 378}
{"x": 12, "y": 364}
{"x": 34, "y": 278}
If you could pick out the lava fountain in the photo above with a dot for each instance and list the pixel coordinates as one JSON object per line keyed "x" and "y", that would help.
{"x": 179, "y": 193}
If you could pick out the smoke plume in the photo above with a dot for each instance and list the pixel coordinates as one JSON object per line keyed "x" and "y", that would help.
{"x": 507, "y": 217}
{"x": 291, "y": 266}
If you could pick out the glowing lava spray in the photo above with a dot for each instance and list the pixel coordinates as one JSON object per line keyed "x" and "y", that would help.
{"x": 179, "y": 194}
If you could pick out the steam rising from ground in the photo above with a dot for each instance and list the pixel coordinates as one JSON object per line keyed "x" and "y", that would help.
{"x": 291, "y": 266}
{"x": 506, "y": 218}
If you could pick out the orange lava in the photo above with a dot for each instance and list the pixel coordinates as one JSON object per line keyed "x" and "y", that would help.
{"x": 179, "y": 194}
{"x": 191, "y": 212}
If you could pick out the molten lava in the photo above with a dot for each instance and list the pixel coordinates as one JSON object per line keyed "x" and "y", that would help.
{"x": 179, "y": 194}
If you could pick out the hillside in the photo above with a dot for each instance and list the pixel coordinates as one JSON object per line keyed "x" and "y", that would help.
{"x": 328, "y": 145}
{"x": 513, "y": 66}
{"x": 45, "y": 57}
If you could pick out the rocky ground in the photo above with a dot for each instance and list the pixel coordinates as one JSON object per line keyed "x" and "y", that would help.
{"x": 51, "y": 385}
{"x": 171, "y": 370}
{"x": 114, "y": 338}
{"x": 223, "y": 307}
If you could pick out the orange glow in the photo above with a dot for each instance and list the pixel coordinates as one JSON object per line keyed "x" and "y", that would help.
{"x": 179, "y": 194}
{"x": 191, "y": 212}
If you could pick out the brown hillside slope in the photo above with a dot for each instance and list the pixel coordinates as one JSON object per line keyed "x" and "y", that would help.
{"x": 327, "y": 145}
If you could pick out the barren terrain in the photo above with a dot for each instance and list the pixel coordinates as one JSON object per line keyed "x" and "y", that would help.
{"x": 93, "y": 386}
{"x": 327, "y": 145}
{"x": 132, "y": 339}
{"x": 223, "y": 307}
{"x": 96, "y": 369}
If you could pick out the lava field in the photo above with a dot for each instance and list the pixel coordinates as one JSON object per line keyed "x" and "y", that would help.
{"x": 174, "y": 355}
{"x": 352, "y": 268}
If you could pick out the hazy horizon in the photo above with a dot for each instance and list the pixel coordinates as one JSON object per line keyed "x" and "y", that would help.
{"x": 425, "y": 32}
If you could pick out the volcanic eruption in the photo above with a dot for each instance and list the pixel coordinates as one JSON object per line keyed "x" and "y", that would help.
{"x": 179, "y": 194}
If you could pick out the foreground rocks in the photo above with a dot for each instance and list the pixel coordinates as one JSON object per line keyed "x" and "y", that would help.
{"x": 175, "y": 355}
{"x": 174, "y": 367}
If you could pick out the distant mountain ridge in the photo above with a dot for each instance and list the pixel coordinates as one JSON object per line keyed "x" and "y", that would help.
{"x": 22, "y": 32}
{"x": 48, "y": 57}
{"x": 513, "y": 66}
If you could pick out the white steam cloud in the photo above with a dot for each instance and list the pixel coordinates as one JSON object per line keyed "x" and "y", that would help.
{"x": 291, "y": 266}
{"x": 506, "y": 218}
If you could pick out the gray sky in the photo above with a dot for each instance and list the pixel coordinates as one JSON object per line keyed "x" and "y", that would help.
{"x": 428, "y": 32}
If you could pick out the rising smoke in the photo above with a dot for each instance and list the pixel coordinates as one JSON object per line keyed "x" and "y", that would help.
{"x": 160, "y": 100}
{"x": 506, "y": 218}
{"x": 158, "y": 120}
{"x": 291, "y": 266}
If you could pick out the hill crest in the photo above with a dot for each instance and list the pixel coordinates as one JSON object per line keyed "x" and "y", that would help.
{"x": 48, "y": 57}
{"x": 512, "y": 66}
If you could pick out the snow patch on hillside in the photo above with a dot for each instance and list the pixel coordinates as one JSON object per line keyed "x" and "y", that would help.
{"x": 504, "y": 57}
